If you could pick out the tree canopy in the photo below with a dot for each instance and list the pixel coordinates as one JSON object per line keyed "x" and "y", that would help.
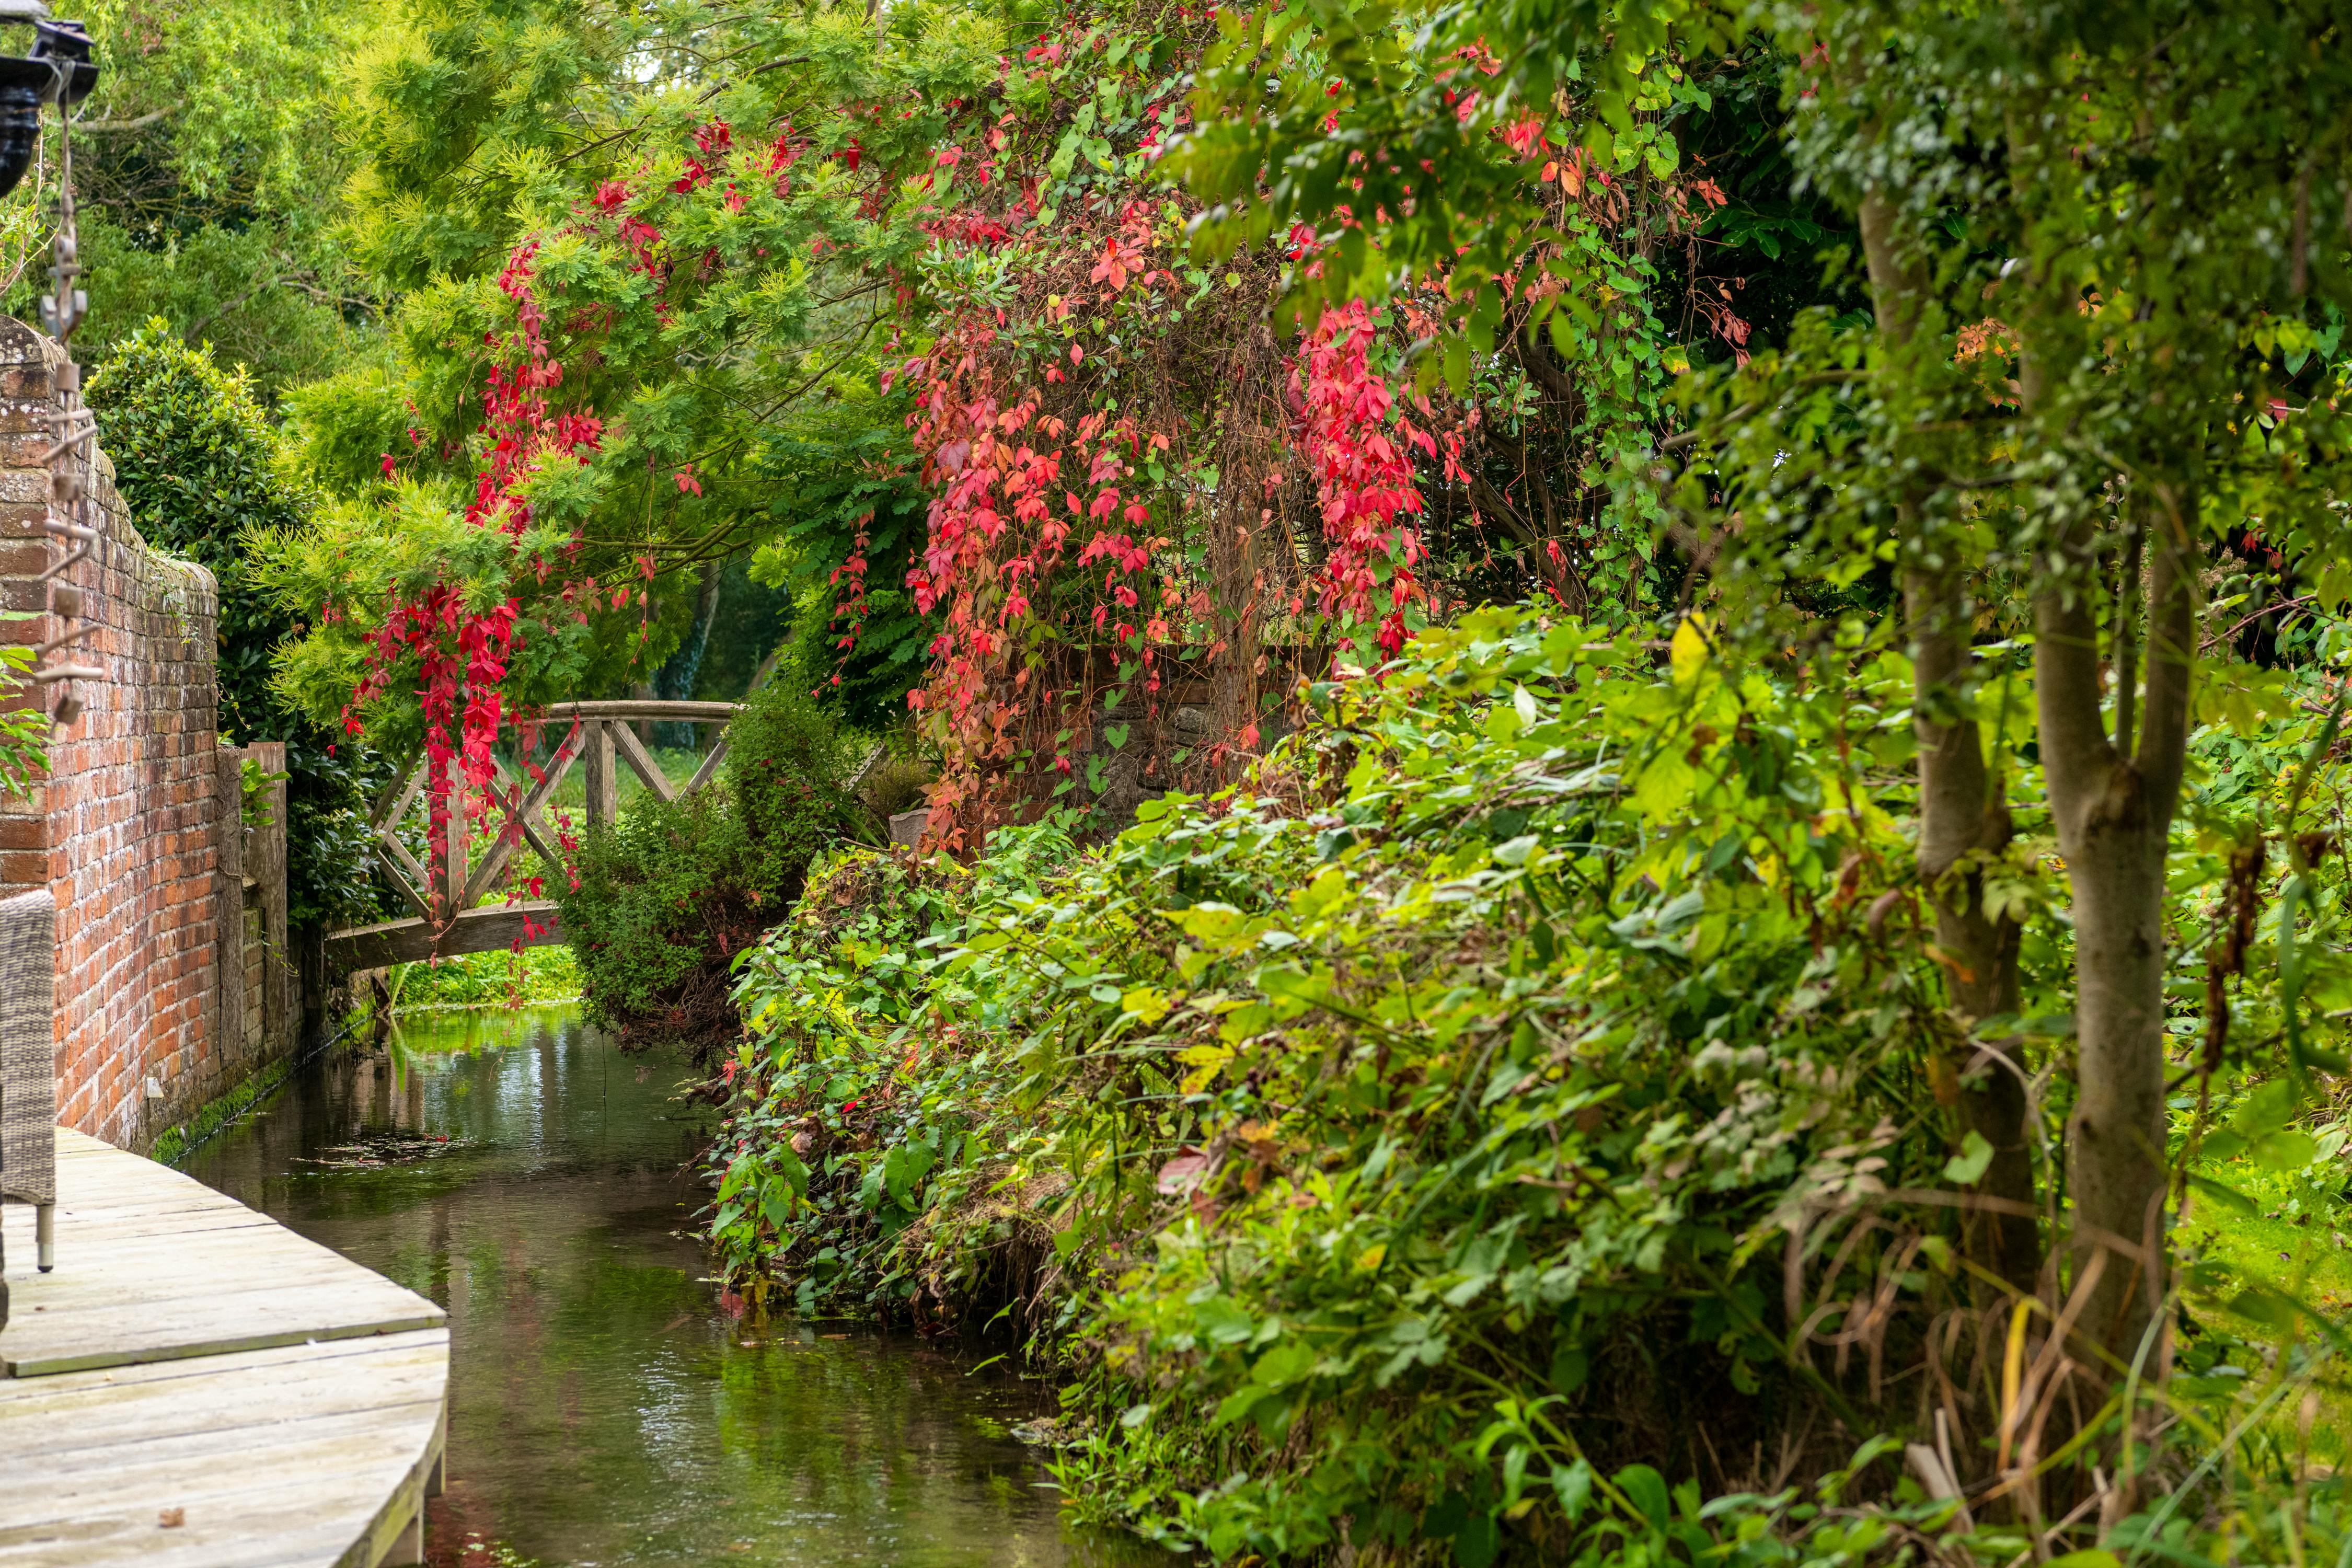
{"x": 1636, "y": 708}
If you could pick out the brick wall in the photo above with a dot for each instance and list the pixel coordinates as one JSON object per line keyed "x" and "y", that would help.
{"x": 136, "y": 828}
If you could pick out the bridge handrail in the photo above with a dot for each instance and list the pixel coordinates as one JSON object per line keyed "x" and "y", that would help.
{"x": 647, "y": 708}
{"x": 446, "y": 892}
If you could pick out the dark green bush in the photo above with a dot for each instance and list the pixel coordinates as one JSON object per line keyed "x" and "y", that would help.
{"x": 788, "y": 765}
{"x": 663, "y": 901}
{"x": 197, "y": 464}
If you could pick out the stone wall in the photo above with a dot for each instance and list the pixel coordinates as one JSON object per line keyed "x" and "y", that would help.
{"x": 136, "y": 827}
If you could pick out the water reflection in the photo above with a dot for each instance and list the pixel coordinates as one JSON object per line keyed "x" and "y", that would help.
{"x": 604, "y": 1409}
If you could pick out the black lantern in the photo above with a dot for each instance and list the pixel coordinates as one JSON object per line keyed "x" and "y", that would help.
{"x": 57, "y": 71}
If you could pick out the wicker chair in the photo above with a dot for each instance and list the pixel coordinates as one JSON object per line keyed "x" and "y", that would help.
{"x": 28, "y": 1085}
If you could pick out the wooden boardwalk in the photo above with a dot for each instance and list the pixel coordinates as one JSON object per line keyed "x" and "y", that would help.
{"x": 196, "y": 1386}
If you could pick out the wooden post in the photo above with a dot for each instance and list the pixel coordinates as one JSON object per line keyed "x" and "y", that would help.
{"x": 312, "y": 980}
{"x": 228, "y": 931}
{"x": 265, "y": 862}
{"x": 604, "y": 779}
{"x": 453, "y": 866}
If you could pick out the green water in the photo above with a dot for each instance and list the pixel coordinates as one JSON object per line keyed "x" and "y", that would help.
{"x": 604, "y": 1408}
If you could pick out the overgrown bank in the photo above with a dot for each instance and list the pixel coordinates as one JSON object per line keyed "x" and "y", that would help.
{"x": 1539, "y": 1086}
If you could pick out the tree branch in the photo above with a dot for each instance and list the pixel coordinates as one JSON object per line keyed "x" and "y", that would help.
{"x": 107, "y": 127}
{"x": 1488, "y": 498}
{"x": 2075, "y": 747}
{"x": 196, "y": 328}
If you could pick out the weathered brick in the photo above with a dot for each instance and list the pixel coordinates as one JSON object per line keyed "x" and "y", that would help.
{"x": 126, "y": 829}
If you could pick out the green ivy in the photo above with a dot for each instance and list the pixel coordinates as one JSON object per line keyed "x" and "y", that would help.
{"x": 1408, "y": 1148}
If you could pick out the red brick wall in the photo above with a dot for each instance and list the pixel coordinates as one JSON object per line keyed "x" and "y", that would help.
{"x": 127, "y": 830}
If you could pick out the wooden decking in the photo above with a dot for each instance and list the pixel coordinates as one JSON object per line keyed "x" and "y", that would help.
{"x": 197, "y": 1386}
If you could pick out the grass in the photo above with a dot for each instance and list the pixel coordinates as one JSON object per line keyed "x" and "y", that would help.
{"x": 485, "y": 978}
{"x": 2296, "y": 1242}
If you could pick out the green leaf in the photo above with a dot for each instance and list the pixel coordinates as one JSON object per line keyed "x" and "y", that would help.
{"x": 1479, "y": 1541}
{"x": 1574, "y": 1485}
{"x": 1516, "y": 851}
{"x": 2286, "y": 1150}
{"x": 1968, "y": 1167}
{"x": 1647, "y": 1491}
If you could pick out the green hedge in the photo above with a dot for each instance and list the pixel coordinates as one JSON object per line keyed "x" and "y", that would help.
{"x": 663, "y": 901}
{"x": 200, "y": 467}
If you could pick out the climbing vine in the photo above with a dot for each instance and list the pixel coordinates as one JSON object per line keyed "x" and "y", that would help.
{"x": 1154, "y": 498}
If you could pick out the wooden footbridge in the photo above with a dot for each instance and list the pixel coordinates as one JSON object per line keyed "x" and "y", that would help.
{"x": 446, "y": 892}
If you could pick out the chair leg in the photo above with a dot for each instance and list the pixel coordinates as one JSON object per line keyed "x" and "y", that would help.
{"x": 45, "y": 1237}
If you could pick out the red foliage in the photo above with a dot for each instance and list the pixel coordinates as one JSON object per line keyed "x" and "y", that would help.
{"x": 1107, "y": 513}
{"x": 1357, "y": 447}
{"x": 461, "y": 650}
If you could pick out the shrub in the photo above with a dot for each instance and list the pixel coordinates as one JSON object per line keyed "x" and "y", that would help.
{"x": 1536, "y": 1086}
{"x": 198, "y": 465}
{"x": 1468, "y": 1061}
{"x": 869, "y": 1170}
{"x": 895, "y": 784}
{"x": 661, "y": 902}
{"x": 788, "y": 764}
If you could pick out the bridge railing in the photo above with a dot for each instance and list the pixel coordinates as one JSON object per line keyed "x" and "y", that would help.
{"x": 443, "y": 890}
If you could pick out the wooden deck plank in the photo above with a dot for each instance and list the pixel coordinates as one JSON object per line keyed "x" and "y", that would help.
{"x": 108, "y": 1256}
{"x": 131, "y": 1224}
{"x": 326, "y": 1505}
{"x": 318, "y": 1442}
{"x": 284, "y": 1405}
{"x": 130, "y": 1285}
{"x": 204, "y": 1325}
{"x": 189, "y": 1464}
{"x": 99, "y": 1408}
{"x": 136, "y": 1374}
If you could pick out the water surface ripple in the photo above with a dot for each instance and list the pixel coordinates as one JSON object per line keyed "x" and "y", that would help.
{"x": 603, "y": 1408}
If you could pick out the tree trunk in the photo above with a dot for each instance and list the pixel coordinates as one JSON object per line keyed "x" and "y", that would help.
{"x": 1232, "y": 558}
{"x": 2114, "y": 815}
{"x": 675, "y": 679}
{"x": 1960, "y": 813}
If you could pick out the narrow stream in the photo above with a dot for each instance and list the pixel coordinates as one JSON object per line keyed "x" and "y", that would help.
{"x": 604, "y": 1408}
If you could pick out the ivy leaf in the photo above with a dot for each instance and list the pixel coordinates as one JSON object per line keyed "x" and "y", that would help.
{"x": 1968, "y": 1167}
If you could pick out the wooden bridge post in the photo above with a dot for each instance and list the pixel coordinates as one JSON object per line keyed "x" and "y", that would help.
{"x": 453, "y": 868}
{"x": 601, "y": 765}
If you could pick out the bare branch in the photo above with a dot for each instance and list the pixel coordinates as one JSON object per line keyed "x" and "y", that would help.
{"x": 141, "y": 122}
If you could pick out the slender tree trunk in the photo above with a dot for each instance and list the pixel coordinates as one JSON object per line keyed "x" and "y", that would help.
{"x": 1961, "y": 812}
{"x": 2113, "y": 812}
{"x": 674, "y": 682}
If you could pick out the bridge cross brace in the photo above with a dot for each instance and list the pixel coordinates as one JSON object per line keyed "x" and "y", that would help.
{"x": 447, "y": 896}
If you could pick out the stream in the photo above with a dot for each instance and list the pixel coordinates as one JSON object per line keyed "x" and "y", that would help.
{"x": 604, "y": 1406}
